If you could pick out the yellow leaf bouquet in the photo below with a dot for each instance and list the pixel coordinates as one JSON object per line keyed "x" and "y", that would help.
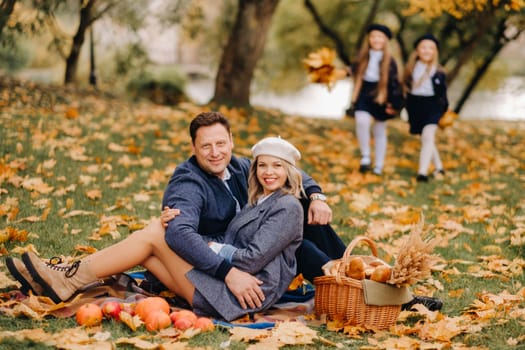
{"x": 321, "y": 68}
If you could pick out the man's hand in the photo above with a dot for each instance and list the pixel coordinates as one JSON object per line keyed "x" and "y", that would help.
{"x": 168, "y": 215}
{"x": 245, "y": 288}
{"x": 319, "y": 213}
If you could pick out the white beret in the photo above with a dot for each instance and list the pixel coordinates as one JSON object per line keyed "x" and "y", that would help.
{"x": 276, "y": 147}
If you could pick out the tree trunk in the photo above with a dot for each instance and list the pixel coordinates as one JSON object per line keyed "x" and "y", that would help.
{"x": 244, "y": 48}
{"x": 6, "y": 9}
{"x": 78, "y": 41}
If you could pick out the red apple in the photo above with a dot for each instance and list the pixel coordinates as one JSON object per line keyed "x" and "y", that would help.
{"x": 89, "y": 315}
{"x": 176, "y": 315}
{"x": 157, "y": 320}
{"x": 111, "y": 309}
{"x": 204, "y": 324}
{"x": 183, "y": 324}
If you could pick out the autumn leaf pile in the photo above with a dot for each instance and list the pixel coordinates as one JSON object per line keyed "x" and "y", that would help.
{"x": 80, "y": 170}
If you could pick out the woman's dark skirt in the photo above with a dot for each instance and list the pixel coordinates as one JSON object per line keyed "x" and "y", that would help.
{"x": 422, "y": 110}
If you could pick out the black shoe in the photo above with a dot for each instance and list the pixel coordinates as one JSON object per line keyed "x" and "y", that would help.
{"x": 430, "y": 303}
{"x": 421, "y": 178}
{"x": 365, "y": 168}
{"x": 152, "y": 284}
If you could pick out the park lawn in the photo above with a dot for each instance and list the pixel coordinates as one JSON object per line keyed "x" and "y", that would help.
{"x": 80, "y": 170}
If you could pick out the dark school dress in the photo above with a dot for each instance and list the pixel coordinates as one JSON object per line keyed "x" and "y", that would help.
{"x": 425, "y": 110}
{"x": 365, "y": 99}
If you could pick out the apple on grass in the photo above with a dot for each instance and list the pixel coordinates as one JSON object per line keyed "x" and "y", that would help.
{"x": 111, "y": 309}
{"x": 89, "y": 315}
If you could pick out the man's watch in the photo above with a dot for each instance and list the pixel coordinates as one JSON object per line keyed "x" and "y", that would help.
{"x": 318, "y": 197}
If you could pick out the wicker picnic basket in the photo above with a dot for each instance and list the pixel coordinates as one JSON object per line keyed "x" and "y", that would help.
{"x": 341, "y": 298}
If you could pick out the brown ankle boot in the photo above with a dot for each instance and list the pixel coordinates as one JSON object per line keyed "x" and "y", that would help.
{"x": 60, "y": 282}
{"x": 19, "y": 271}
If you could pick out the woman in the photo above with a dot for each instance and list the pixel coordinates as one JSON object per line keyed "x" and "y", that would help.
{"x": 376, "y": 95}
{"x": 424, "y": 83}
{"x": 260, "y": 240}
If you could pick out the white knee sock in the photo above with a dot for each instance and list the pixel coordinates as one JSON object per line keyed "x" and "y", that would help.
{"x": 428, "y": 149}
{"x": 363, "y": 120}
{"x": 380, "y": 140}
{"x": 436, "y": 159}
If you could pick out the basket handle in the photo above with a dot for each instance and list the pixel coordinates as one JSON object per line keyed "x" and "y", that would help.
{"x": 354, "y": 243}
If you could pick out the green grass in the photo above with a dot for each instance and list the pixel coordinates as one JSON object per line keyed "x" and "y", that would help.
{"x": 485, "y": 170}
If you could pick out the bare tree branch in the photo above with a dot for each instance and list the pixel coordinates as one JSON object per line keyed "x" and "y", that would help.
{"x": 339, "y": 44}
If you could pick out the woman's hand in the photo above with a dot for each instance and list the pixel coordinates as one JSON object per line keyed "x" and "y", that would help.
{"x": 167, "y": 215}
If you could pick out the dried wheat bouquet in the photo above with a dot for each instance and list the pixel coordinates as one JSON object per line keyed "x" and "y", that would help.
{"x": 415, "y": 259}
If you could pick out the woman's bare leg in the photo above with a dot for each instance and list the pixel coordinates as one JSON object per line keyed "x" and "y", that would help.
{"x": 130, "y": 252}
{"x": 176, "y": 280}
{"x": 148, "y": 248}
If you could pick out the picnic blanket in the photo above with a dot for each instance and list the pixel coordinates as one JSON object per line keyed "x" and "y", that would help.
{"x": 124, "y": 288}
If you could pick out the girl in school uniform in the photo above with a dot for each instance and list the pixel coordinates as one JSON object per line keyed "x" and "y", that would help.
{"x": 376, "y": 96}
{"x": 424, "y": 82}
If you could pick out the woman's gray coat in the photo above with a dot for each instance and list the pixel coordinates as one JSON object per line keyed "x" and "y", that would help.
{"x": 266, "y": 237}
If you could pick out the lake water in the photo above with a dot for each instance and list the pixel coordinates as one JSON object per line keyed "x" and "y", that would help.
{"x": 314, "y": 100}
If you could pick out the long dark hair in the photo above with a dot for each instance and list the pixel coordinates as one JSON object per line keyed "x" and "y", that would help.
{"x": 362, "y": 62}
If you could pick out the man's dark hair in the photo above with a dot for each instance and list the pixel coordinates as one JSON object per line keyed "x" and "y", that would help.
{"x": 207, "y": 119}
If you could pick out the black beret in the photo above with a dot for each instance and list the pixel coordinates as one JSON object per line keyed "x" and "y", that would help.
{"x": 426, "y": 37}
{"x": 382, "y": 28}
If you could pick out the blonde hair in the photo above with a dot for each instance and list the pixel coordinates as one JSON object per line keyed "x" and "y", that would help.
{"x": 408, "y": 84}
{"x": 362, "y": 63}
{"x": 293, "y": 184}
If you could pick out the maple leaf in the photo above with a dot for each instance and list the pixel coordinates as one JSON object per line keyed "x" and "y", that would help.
{"x": 247, "y": 334}
{"x": 293, "y": 333}
{"x": 27, "y": 248}
{"x": 36, "y": 184}
{"x": 321, "y": 68}
{"x": 141, "y": 197}
{"x": 78, "y": 153}
{"x": 6, "y": 281}
{"x": 443, "y": 330}
{"x": 133, "y": 322}
{"x": 139, "y": 343}
{"x": 10, "y": 234}
{"x": 85, "y": 249}
{"x": 71, "y": 112}
{"x": 297, "y": 282}
{"x": 74, "y": 213}
{"x": 116, "y": 148}
{"x": 94, "y": 194}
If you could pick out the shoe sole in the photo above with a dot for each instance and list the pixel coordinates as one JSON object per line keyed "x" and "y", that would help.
{"x": 47, "y": 288}
{"x": 26, "y": 286}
